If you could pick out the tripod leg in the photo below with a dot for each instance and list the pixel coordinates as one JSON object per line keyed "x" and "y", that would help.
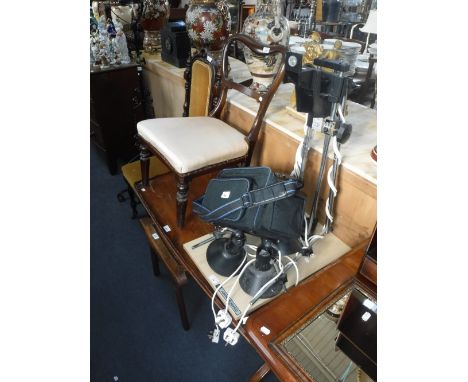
{"x": 331, "y": 194}
{"x": 299, "y": 168}
{"x": 318, "y": 185}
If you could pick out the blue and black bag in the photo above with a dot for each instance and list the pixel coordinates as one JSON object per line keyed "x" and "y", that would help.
{"x": 254, "y": 200}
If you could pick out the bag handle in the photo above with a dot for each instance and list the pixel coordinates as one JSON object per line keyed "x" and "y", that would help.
{"x": 254, "y": 198}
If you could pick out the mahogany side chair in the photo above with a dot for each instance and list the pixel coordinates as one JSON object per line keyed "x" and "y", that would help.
{"x": 194, "y": 146}
{"x": 199, "y": 78}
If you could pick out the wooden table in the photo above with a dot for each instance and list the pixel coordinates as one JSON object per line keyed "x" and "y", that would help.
{"x": 355, "y": 207}
{"x": 289, "y": 309}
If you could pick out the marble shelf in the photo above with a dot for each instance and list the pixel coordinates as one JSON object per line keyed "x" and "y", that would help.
{"x": 356, "y": 206}
{"x": 356, "y": 152}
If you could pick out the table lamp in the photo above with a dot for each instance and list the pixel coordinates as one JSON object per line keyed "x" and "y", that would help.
{"x": 370, "y": 26}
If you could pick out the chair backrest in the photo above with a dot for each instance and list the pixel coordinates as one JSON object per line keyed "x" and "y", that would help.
{"x": 263, "y": 98}
{"x": 199, "y": 80}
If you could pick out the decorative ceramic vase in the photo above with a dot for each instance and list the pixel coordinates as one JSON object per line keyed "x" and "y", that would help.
{"x": 269, "y": 27}
{"x": 120, "y": 42}
{"x": 154, "y": 17}
{"x": 208, "y": 24}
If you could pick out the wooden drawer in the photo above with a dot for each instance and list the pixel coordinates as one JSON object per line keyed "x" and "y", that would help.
{"x": 358, "y": 329}
{"x": 115, "y": 109}
{"x": 369, "y": 269}
{"x": 96, "y": 134}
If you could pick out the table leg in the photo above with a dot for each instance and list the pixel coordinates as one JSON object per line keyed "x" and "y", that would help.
{"x": 182, "y": 311}
{"x": 155, "y": 261}
{"x": 260, "y": 373}
{"x": 111, "y": 161}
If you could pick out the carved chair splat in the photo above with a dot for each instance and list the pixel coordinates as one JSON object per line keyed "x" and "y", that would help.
{"x": 194, "y": 146}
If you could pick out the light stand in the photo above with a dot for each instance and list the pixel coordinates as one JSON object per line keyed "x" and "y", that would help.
{"x": 261, "y": 272}
{"x": 321, "y": 91}
{"x": 224, "y": 255}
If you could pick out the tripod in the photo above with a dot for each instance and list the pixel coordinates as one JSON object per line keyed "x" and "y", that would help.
{"x": 321, "y": 92}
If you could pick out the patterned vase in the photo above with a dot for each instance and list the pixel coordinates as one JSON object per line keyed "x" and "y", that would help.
{"x": 269, "y": 27}
{"x": 208, "y": 24}
{"x": 154, "y": 17}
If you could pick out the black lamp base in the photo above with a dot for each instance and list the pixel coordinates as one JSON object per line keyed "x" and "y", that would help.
{"x": 224, "y": 256}
{"x": 261, "y": 272}
{"x": 253, "y": 279}
{"x": 289, "y": 246}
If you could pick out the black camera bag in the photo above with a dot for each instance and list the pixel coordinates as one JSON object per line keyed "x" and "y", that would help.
{"x": 254, "y": 200}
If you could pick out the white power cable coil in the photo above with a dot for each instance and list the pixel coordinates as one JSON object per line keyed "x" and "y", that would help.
{"x": 260, "y": 292}
{"x": 235, "y": 283}
{"x": 222, "y": 284}
{"x": 298, "y": 159}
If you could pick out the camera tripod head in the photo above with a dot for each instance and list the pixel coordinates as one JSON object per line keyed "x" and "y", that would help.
{"x": 318, "y": 86}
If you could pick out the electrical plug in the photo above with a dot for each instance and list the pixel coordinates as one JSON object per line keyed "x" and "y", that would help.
{"x": 307, "y": 251}
{"x": 214, "y": 336}
{"x": 230, "y": 336}
{"x": 223, "y": 319}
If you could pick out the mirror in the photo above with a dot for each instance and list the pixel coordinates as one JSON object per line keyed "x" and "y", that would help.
{"x": 313, "y": 346}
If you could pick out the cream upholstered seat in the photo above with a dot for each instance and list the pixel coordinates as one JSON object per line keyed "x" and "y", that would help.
{"x": 189, "y": 144}
{"x": 200, "y": 144}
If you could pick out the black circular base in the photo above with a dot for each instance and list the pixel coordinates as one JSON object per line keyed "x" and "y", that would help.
{"x": 289, "y": 246}
{"x": 253, "y": 279}
{"x": 221, "y": 260}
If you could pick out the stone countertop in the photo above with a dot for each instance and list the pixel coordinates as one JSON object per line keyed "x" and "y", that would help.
{"x": 356, "y": 152}
{"x": 155, "y": 64}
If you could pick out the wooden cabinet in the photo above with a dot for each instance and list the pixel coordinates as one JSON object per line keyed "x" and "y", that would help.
{"x": 325, "y": 328}
{"x": 357, "y": 328}
{"x": 358, "y": 323}
{"x": 116, "y": 107}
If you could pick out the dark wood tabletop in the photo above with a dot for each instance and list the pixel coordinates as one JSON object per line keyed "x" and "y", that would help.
{"x": 159, "y": 200}
{"x": 284, "y": 313}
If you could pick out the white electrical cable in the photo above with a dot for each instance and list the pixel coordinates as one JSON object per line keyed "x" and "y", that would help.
{"x": 327, "y": 211}
{"x": 298, "y": 158}
{"x": 330, "y": 181}
{"x": 316, "y": 238}
{"x": 336, "y": 150}
{"x": 235, "y": 283}
{"x": 307, "y": 242}
{"x": 262, "y": 289}
{"x": 222, "y": 284}
{"x": 331, "y": 184}
{"x": 260, "y": 292}
{"x": 297, "y": 161}
{"x": 291, "y": 261}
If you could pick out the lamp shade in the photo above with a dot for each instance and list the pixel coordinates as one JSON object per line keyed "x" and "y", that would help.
{"x": 371, "y": 23}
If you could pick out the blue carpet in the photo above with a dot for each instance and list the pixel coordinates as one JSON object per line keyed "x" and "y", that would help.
{"x": 136, "y": 333}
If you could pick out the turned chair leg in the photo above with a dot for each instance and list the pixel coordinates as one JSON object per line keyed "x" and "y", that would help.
{"x": 144, "y": 164}
{"x": 181, "y": 198}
